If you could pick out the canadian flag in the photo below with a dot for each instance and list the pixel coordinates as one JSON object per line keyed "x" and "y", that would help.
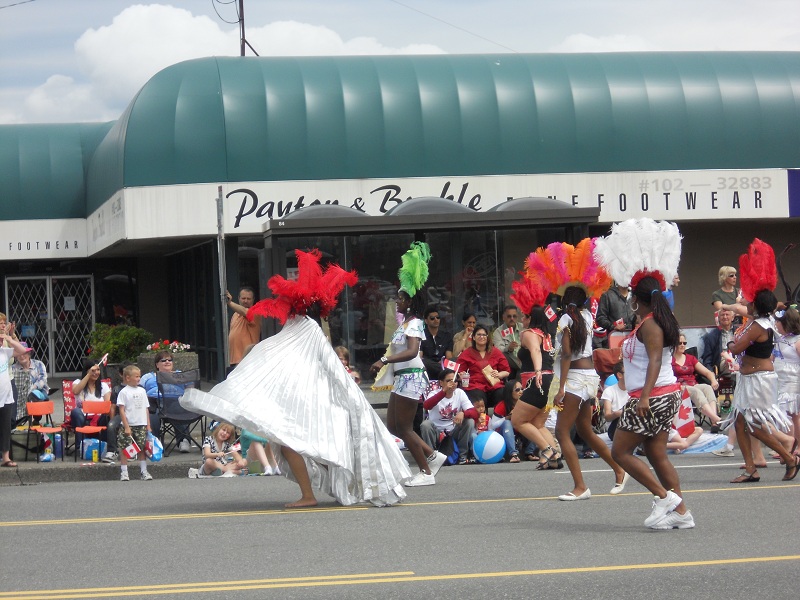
{"x": 235, "y": 448}
{"x": 104, "y": 360}
{"x": 684, "y": 419}
{"x": 506, "y": 332}
{"x": 451, "y": 364}
{"x": 594, "y": 303}
{"x": 550, "y": 313}
{"x": 132, "y": 450}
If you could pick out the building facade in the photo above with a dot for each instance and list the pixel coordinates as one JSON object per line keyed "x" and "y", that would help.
{"x": 118, "y": 221}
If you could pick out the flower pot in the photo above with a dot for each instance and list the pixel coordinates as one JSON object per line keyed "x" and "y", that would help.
{"x": 182, "y": 361}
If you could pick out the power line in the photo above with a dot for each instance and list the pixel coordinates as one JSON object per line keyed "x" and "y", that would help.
{"x": 16, "y": 3}
{"x": 472, "y": 33}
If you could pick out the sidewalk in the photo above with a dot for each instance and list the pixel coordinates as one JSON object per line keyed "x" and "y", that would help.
{"x": 170, "y": 467}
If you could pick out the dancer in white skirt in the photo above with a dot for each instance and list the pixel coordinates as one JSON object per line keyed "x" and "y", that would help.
{"x": 293, "y": 390}
{"x": 755, "y": 400}
{"x": 787, "y": 365}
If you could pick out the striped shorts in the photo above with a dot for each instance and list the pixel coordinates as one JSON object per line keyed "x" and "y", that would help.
{"x": 662, "y": 411}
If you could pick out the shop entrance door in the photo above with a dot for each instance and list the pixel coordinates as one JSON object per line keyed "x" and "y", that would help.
{"x": 54, "y": 315}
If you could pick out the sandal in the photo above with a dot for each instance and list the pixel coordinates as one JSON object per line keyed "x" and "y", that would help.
{"x": 531, "y": 457}
{"x": 555, "y": 463}
{"x": 791, "y": 472}
{"x": 748, "y": 478}
{"x": 514, "y": 458}
{"x": 764, "y": 466}
{"x": 545, "y": 458}
{"x": 10, "y": 464}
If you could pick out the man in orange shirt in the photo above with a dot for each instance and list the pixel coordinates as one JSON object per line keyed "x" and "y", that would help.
{"x": 242, "y": 333}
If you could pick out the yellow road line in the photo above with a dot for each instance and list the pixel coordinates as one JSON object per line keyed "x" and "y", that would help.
{"x": 399, "y": 577}
{"x": 211, "y": 515}
{"x": 284, "y": 512}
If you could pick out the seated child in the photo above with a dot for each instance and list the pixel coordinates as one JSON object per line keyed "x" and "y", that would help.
{"x": 344, "y": 356}
{"x": 218, "y": 457}
{"x": 678, "y": 444}
{"x": 257, "y": 448}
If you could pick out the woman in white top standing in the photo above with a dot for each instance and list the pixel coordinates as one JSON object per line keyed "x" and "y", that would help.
{"x": 403, "y": 363}
{"x": 787, "y": 365}
{"x": 578, "y": 384}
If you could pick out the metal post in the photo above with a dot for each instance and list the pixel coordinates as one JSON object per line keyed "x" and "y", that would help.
{"x": 222, "y": 275}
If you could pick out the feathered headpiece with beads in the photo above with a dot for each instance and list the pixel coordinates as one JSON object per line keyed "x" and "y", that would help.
{"x": 527, "y": 294}
{"x": 414, "y": 272}
{"x": 314, "y": 285}
{"x": 561, "y": 265}
{"x": 639, "y": 248}
{"x": 757, "y": 270}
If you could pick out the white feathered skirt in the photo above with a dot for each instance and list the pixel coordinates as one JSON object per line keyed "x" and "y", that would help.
{"x": 756, "y": 399}
{"x": 293, "y": 390}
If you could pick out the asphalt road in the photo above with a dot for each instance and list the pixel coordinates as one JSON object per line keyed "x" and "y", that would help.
{"x": 484, "y": 531}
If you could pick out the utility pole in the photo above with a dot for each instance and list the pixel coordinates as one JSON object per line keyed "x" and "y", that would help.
{"x": 242, "y": 38}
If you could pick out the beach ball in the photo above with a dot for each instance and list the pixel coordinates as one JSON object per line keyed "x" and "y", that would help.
{"x": 489, "y": 447}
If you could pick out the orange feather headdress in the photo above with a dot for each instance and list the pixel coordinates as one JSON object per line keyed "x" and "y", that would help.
{"x": 561, "y": 265}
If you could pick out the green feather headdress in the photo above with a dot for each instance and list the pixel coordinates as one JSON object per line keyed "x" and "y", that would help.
{"x": 414, "y": 272}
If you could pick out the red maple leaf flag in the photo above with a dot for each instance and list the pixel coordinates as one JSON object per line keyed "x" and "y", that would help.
{"x": 684, "y": 418}
{"x": 132, "y": 450}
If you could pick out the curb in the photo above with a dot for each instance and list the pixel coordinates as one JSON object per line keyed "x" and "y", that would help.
{"x": 57, "y": 473}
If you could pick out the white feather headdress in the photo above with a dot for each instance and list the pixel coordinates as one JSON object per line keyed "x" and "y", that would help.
{"x": 639, "y": 248}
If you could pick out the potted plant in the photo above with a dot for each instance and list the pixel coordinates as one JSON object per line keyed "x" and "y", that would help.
{"x": 120, "y": 342}
{"x": 184, "y": 358}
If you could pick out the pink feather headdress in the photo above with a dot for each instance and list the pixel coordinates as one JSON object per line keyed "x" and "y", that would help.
{"x": 757, "y": 270}
{"x": 314, "y": 285}
{"x": 561, "y": 265}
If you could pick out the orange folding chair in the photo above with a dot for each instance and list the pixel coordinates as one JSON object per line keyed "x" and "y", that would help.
{"x": 90, "y": 407}
{"x": 45, "y": 411}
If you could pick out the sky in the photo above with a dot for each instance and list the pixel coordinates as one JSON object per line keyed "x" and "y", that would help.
{"x": 84, "y": 60}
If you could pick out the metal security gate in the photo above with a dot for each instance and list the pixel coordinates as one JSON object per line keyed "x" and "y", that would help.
{"x": 54, "y": 315}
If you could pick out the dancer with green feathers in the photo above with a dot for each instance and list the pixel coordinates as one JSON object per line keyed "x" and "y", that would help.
{"x": 401, "y": 369}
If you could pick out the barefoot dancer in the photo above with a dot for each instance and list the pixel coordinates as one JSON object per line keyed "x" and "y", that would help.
{"x": 293, "y": 389}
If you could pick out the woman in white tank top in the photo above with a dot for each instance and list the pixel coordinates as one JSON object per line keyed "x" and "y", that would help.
{"x": 578, "y": 383}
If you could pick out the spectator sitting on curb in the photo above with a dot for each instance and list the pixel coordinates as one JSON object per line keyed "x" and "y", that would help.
{"x": 449, "y": 410}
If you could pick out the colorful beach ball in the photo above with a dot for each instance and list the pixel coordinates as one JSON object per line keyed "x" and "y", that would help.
{"x": 489, "y": 447}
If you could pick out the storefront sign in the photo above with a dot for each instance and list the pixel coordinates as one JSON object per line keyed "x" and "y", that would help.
{"x": 49, "y": 238}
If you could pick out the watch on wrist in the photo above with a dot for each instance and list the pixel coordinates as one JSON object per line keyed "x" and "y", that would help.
{"x": 384, "y": 360}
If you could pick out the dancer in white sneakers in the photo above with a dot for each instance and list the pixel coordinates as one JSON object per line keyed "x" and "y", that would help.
{"x": 646, "y": 254}
{"x": 403, "y": 367}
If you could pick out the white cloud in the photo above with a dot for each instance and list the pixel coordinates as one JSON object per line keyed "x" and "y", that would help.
{"x": 581, "y": 42}
{"x": 118, "y": 59}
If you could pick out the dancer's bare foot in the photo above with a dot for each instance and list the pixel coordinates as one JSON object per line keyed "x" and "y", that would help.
{"x": 302, "y": 503}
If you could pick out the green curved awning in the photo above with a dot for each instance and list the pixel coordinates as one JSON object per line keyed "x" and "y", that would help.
{"x": 313, "y": 118}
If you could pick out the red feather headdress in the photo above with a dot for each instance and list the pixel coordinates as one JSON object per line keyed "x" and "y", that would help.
{"x": 757, "y": 270}
{"x": 527, "y": 294}
{"x": 314, "y": 285}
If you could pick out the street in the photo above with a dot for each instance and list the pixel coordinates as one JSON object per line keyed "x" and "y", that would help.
{"x": 484, "y": 531}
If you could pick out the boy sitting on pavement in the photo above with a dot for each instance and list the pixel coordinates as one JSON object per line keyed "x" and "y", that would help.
{"x": 449, "y": 410}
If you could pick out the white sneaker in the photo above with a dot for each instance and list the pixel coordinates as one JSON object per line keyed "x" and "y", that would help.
{"x": 123, "y": 476}
{"x": 724, "y": 452}
{"x": 674, "y": 520}
{"x": 184, "y": 446}
{"x": 662, "y": 506}
{"x": 146, "y": 476}
{"x": 109, "y": 457}
{"x": 194, "y": 474}
{"x": 436, "y": 463}
{"x": 276, "y": 470}
{"x": 267, "y": 470}
{"x": 420, "y": 479}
